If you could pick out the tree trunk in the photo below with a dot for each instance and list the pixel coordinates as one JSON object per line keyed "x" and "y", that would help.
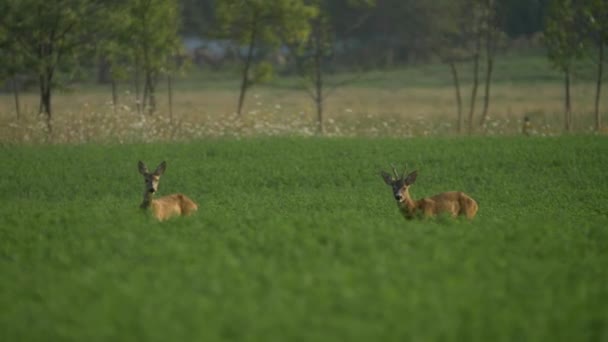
{"x": 598, "y": 88}
{"x": 170, "y": 95}
{"x": 490, "y": 37}
{"x": 568, "y": 107}
{"x": 16, "y": 95}
{"x": 16, "y": 85}
{"x": 389, "y": 57}
{"x": 45, "y": 78}
{"x": 318, "y": 60}
{"x": 103, "y": 71}
{"x": 320, "y": 122}
{"x": 476, "y": 58}
{"x": 452, "y": 65}
{"x": 137, "y": 90}
{"x": 114, "y": 94}
{"x": 486, "y": 97}
{"x": 144, "y": 98}
{"x": 45, "y": 101}
{"x": 148, "y": 100}
{"x": 151, "y": 80}
{"x": 41, "y": 88}
{"x": 249, "y": 59}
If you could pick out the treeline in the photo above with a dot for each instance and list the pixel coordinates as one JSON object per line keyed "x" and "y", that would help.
{"x": 389, "y": 32}
{"x": 140, "y": 41}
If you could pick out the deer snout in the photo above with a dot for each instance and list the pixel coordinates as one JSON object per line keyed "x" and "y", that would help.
{"x": 398, "y": 197}
{"x": 151, "y": 190}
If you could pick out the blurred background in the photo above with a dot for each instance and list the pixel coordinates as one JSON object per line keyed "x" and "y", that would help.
{"x": 74, "y": 71}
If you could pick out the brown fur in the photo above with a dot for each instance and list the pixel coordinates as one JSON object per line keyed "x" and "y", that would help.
{"x": 167, "y": 206}
{"x": 455, "y": 203}
{"x": 172, "y": 205}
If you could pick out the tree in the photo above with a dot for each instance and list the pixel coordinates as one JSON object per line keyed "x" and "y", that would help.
{"x": 313, "y": 54}
{"x": 12, "y": 65}
{"x": 564, "y": 45}
{"x": 310, "y": 58}
{"x": 490, "y": 28}
{"x": 114, "y": 50}
{"x": 450, "y": 39}
{"x": 522, "y": 17}
{"x": 197, "y": 17}
{"x": 460, "y": 33}
{"x": 48, "y": 34}
{"x": 398, "y": 31}
{"x": 260, "y": 24}
{"x": 595, "y": 14}
{"x": 154, "y": 42}
{"x": 479, "y": 21}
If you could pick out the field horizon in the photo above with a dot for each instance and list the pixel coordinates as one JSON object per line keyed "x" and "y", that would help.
{"x": 408, "y": 101}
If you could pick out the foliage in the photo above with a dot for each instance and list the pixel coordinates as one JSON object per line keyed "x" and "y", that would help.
{"x": 271, "y": 21}
{"x": 299, "y": 239}
{"x": 595, "y": 14}
{"x": 45, "y": 36}
{"x": 10, "y": 61}
{"x": 260, "y": 26}
{"x": 562, "y": 34}
{"x": 153, "y": 31}
{"x": 153, "y": 37}
{"x": 116, "y": 47}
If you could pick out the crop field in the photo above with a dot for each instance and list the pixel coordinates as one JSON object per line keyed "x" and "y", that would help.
{"x": 300, "y": 239}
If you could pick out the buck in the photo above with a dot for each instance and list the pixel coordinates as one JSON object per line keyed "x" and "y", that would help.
{"x": 166, "y": 206}
{"x": 455, "y": 203}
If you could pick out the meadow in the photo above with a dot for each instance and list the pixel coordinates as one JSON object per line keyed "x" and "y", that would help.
{"x": 299, "y": 239}
{"x": 404, "y": 102}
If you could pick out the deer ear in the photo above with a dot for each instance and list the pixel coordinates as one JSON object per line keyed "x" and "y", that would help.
{"x": 411, "y": 178}
{"x": 387, "y": 177}
{"x": 160, "y": 169}
{"x": 142, "y": 167}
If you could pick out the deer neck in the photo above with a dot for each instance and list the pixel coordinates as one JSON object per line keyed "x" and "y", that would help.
{"x": 407, "y": 205}
{"x": 145, "y": 204}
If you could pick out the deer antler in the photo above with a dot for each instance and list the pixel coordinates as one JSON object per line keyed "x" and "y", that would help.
{"x": 395, "y": 172}
{"x": 404, "y": 170}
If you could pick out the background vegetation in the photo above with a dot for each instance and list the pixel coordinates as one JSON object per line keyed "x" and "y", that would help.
{"x": 135, "y": 54}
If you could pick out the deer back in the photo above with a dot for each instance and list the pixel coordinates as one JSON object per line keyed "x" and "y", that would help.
{"x": 172, "y": 205}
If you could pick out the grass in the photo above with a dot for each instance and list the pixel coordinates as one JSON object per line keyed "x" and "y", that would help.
{"x": 299, "y": 239}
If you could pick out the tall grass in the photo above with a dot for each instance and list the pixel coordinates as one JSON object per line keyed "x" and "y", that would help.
{"x": 299, "y": 239}
{"x": 414, "y": 101}
{"x": 350, "y": 112}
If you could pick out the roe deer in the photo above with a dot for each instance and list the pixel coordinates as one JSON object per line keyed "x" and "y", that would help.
{"x": 167, "y": 206}
{"x": 454, "y": 203}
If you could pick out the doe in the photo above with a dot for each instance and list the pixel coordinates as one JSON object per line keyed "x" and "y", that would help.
{"x": 166, "y": 206}
{"x": 455, "y": 203}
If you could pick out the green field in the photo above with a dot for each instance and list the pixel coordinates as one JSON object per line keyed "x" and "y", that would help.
{"x": 300, "y": 239}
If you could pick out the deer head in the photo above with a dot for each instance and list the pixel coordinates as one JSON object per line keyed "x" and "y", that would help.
{"x": 399, "y": 184}
{"x": 151, "y": 179}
